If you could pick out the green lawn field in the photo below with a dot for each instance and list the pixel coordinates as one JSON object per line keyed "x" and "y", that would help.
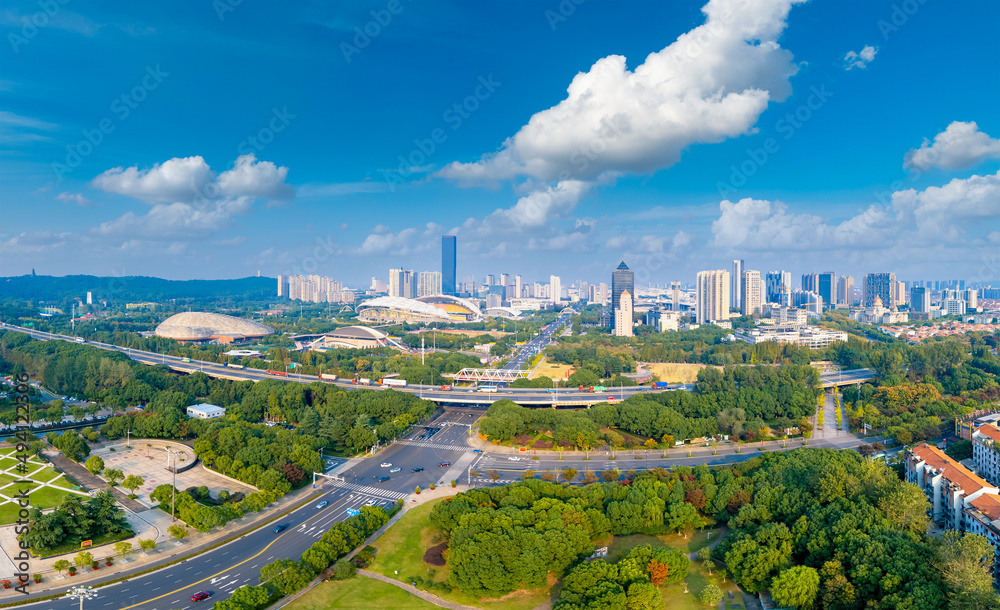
{"x": 358, "y": 593}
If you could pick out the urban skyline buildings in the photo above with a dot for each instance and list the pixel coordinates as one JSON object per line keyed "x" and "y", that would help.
{"x": 448, "y": 264}
{"x": 712, "y": 296}
{"x": 752, "y": 299}
{"x": 623, "y": 315}
{"x": 736, "y": 289}
{"x": 622, "y": 281}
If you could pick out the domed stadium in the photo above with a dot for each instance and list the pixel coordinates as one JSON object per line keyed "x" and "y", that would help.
{"x": 202, "y": 327}
{"x": 439, "y": 308}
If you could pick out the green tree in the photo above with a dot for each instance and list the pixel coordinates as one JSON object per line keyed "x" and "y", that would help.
{"x": 123, "y": 549}
{"x": 966, "y": 563}
{"x": 343, "y": 570}
{"x": 113, "y": 475}
{"x": 286, "y": 575}
{"x": 796, "y": 587}
{"x": 133, "y": 482}
{"x": 249, "y": 597}
{"x": 94, "y": 464}
{"x": 710, "y": 596}
{"x": 61, "y": 564}
{"x": 569, "y": 473}
{"x": 83, "y": 558}
{"x": 147, "y": 544}
{"x": 177, "y": 531}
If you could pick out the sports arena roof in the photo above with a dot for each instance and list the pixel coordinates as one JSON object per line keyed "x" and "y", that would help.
{"x": 504, "y": 312}
{"x": 438, "y": 308}
{"x": 202, "y": 326}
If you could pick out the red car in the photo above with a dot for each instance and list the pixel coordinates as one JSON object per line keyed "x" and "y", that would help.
{"x": 200, "y": 595}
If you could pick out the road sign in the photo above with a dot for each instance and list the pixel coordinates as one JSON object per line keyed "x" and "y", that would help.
{"x": 351, "y": 512}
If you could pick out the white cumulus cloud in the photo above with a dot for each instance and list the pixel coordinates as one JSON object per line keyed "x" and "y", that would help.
{"x": 860, "y": 59}
{"x": 960, "y": 146}
{"x": 75, "y": 199}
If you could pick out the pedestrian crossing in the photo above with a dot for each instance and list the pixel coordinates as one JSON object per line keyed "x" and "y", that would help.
{"x": 367, "y": 489}
{"x": 458, "y": 446}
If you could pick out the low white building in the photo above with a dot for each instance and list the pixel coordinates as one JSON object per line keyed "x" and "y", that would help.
{"x": 206, "y": 411}
{"x": 805, "y": 336}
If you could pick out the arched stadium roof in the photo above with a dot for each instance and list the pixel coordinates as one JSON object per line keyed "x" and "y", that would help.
{"x": 447, "y": 298}
{"x": 202, "y": 326}
{"x": 438, "y": 308}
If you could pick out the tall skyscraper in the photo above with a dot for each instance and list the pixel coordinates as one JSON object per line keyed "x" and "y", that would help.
{"x": 810, "y": 282}
{"x": 282, "y": 285}
{"x": 752, "y": 299}
{"x": 555, "y": 289}
{"x": 429, "y": 283}
{"x": 826, "y": 286}
{"x": 518, "y": 287}
{"x": 971, "y": 296}
{"x": 676, "y": 288}
{"x": 845, "y": 290}
{"x": 779, "y": 287}
{"x": 881, "y": 285}
{"x": 623, "y": 315}
{"x": 401, "y": 284}
{"x": 736, "y": 290}
{"x": 712, "y": 296}
{"x": 920, "y": 299}
{"x": 622, "y": 279}
{"x": 448, "y": 243}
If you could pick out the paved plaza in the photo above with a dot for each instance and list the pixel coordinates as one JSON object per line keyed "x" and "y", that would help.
{"x": 148, "y": 459}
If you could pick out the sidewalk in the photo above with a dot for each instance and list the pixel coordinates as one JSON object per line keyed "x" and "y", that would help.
{"x": 149, "y": 524}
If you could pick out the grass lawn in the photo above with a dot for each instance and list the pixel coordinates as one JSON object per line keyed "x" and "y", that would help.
{"x": 6, "y": 479}
{"x": 552, "y": 370}
{"x": 401, "y": 548}
{"x": 45, "y": 475}
{"x": 46, "y": 497}
{"x": 621, "y": 545}
{"x": 697, "y": 579}
{"x": 7, "y": 463}
{"x": 675, "y": 372}
{"x": 358, "y": 593}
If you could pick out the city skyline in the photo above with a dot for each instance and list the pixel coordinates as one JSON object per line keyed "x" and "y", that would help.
{"x": 167, "y": 168}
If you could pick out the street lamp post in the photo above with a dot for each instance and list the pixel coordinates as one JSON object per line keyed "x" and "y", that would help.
{"x": 173, "y": 492}
{"x": 81, "y": 593}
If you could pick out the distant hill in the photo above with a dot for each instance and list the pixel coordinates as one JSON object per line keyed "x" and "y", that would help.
{"x": 132, "y": 288}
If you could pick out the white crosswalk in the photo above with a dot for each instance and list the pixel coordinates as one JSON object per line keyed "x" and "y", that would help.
{"x": 457, "y": 446}
{"x": 367, "y": 489}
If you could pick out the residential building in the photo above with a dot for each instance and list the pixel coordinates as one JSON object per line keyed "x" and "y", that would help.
{"x": 950, "y": 487}
{"x": 662, "y": 320}
{"x": 282, "y": 285}
{"x": 675, "y": 288}
{"x": 845, "y": 290}
{"x": 736, "y": 289}
{"x": 881, "y": 286}
{"x": 448, "y": 267}
{"x": 810, "y": 282}
{"x": 712, "y": 296}
{"x": 953, "y": 307}
{"x": 401, "y": 284}
{"x": 971, "y": 299}
{"x": 555, "y": 289}
{"x": 752, "y": 299}
{"x": 429, "y": 283}
{"x": 986, "y": 451}
{"x": 623, "y": 315}
{"x": 920, "y": 299}
{"x": 779, "y": 314}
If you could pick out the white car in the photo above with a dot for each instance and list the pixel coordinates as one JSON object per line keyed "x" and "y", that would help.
{"x": 514, "y": 459}
{"x": 385, "y": 465}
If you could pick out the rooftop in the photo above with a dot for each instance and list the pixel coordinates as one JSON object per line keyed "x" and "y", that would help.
{"x": 950, "y": 469}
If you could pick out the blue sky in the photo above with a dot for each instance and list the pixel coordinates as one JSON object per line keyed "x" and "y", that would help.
{"x": 206, "y": 140}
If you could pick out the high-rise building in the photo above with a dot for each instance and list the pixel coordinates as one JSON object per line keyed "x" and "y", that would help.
{"x": 810, "y": 282}
{"x": 826, "y": 286}
{"x": 555, "y": 289}
{"x": 881, "y": 285}
{"x": 845, "y": 290}
{"x": 752, "y": 299}
{"x": 623, "y": 315}
{"x": 282, "y": 285}
{"x": 622, "y": 279}
{"x": 518, "y": 287}
{"x": 676, "y": 288}
{"x": 584, "y": 290}
{"x": 920, "y": 299}
{"x": 429, "y": 283}
{"x": 712, "y": 296}
{"x": 899, "y": 296}
{"x": 448, "y": 246}
{"x": 401, "y": 284}
{"x": 736, "y": 290}
{"x": 90, "y": 298}
{"x": 971, "y": 296}
{"x": 779, "y": 287}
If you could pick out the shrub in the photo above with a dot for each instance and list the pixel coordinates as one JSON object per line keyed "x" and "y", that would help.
{"x": 342, "y": 570}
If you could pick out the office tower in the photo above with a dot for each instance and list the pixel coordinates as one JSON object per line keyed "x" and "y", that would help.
{"x": 555, "y": 289}
{"x": 778, "y": 287}
{"x": 736, "y": 290}
{"x": 90, "y": 298}
{"x": 623, "y": 315}
{"x": 491, "y": 280}
{"x": 602, "y": 294}
{"x": 585, "y": 291}
{"x": 518, "y": 287}
{"x": 845, "y": 290}
{"x": 953, "y": 307}
{"x": 920, "y": 299}
{"x": 899, "y": 298}
{"x": 622, "y": 279}
{"x": 676, "y": 287}
{"x": 961, "y": 284}
{"x": 810, "y": 282}
{"x": 712, "y": 296}
{"x": 401, "y": 284}
{"x": 826, "y": 286}
{"x": 752, "y": 299}
{"x": 880, "y": 285}
{"x": 504, "y": 281}
{"x": 448, "y": 246}
{"x": 429, "y": 283}
{"x": 282, "y": 286}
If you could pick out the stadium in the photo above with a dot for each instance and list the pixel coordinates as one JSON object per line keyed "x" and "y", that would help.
{"x": 438, "y": 308}
{"x": 201, "y": 327}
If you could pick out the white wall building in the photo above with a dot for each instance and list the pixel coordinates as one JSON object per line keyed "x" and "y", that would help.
{"x": 205, "y": 411}
{"x": 712, "y": 296}
{"x": 623, "y": 316}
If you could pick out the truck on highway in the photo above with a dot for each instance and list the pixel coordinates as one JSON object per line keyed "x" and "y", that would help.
{"x": 446, "y": 388}
{"x": 328, "y": 377}
{"x": 280, "y": 373}
{"x": 364, "y": 381}
{"x": 489, "y": 389}
{"x": 79, "y": 339}
{"x": 393, "y": 382}
{"x": 661, "y": 384}
{"x": 186, "y": 360}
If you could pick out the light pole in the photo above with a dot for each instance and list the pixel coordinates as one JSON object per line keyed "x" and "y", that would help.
{"x": 173, "y": 492}
{"x": 81, "y": 593}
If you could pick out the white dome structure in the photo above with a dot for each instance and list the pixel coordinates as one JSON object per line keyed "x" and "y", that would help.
{"x": 201, "y": 326}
